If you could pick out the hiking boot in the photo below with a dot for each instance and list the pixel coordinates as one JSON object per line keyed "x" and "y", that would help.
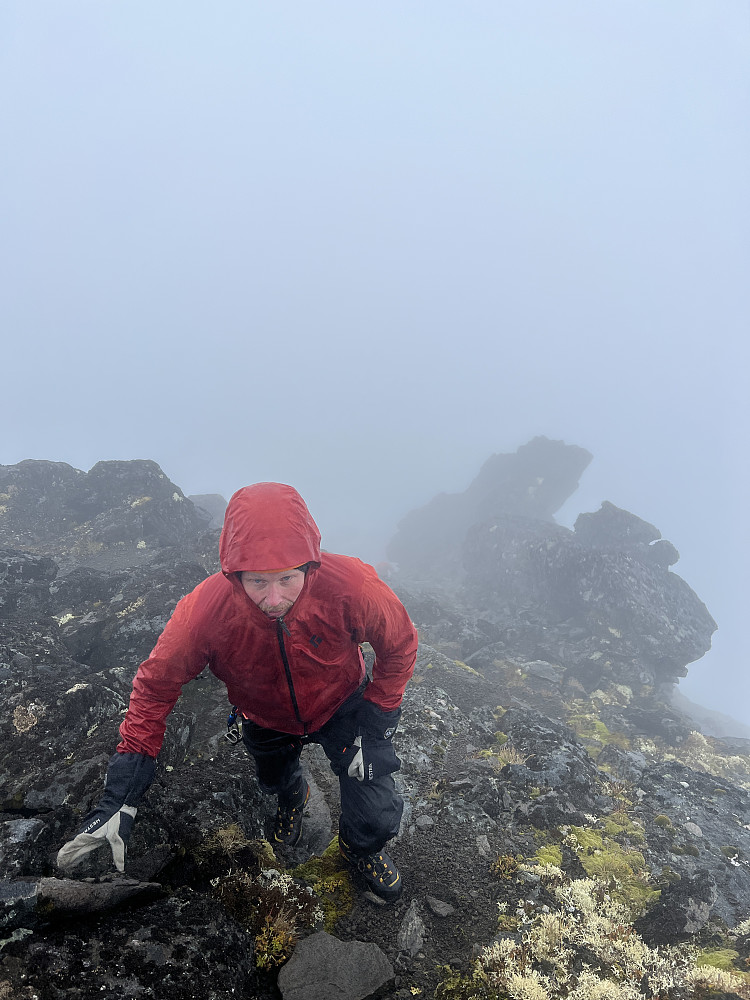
{"x": 287, "y": 828}
{"x": 377, "y": 869}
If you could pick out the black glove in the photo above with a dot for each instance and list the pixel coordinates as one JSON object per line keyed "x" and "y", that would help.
{"x": 128, "y": 777}
{"x": 371, "y": 754}
{"x": 376, "y": 721}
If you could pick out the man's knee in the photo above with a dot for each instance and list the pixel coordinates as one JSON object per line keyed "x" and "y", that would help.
{"x": 276, "y": 756}
{"x": 370, "y": 812}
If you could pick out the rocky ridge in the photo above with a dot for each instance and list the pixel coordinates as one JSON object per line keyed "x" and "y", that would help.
{"x": 567, "y": 830}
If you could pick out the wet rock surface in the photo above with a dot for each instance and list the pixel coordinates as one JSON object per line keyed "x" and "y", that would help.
{"x": 524, "y": 730}
{"x": 113, "y": 516}
{"x": 323, "y": 967}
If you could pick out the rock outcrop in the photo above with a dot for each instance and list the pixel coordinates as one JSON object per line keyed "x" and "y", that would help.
{"x": 116, "y": 515}
{"x": 211, "y": 504}
{"x": 542, "y": 760}
{"x": 532, "y": 483}
{"x": 645, "y": 621}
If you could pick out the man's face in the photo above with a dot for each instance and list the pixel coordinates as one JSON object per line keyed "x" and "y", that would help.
{"x": 274, "y": 593}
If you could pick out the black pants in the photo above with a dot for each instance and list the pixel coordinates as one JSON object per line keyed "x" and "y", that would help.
{"x": 370, "y": 810}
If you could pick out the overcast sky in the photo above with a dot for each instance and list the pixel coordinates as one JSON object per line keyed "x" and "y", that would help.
{"x": 361, "y": 247}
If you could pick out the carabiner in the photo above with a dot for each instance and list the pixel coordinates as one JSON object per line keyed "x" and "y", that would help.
{"x": 234, "y": 728}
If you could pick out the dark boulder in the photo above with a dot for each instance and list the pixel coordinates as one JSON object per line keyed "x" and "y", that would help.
{"x": 24, "y": 903}
{"x": 681, "y": 912}
{"x": 648, "y": 619}
{"x": 179, "y": 947}
{"x": 322, "y": 967}
{"x": 556, "y": 766}
{"x": 611, "y": 528}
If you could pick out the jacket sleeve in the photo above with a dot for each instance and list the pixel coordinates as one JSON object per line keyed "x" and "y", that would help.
{"x": 176, "y": 659}
{"x": 387, "y": 627}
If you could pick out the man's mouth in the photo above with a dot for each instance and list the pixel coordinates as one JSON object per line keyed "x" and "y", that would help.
{"x": 277, "y": 611}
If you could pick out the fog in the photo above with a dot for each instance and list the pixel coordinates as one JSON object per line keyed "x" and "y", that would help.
{"x": 359, "y": 248}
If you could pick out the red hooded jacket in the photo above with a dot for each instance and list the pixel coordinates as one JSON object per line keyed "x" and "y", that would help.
{"x": 289, "y": 674}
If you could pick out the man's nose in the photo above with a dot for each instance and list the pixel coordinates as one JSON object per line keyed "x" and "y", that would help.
{"x": 275, "y": 594}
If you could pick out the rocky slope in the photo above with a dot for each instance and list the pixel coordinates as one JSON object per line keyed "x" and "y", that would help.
{"x": 567, "y": 832}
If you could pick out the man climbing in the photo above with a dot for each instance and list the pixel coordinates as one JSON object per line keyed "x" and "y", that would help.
{"x": 281, "y": 625}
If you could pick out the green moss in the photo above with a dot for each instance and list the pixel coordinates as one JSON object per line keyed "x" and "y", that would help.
{"x": 550, "y": 855}
{"x": 502, "y": 738}
{"x": 623, "y": 828}
{"x": 588, "y": 838}
{"x": 689, "y": 849}
{"x": 319, "y": 866}
{"x": 454, "y": 986}
{"x": 465, "y": 666}
{"x": 594, "y": 735}
{"x": 718, "y": 958}
{"x": 663, "y": 821}
{"x": 330, "y": 882}
{"x": 604, "y": 859}
{"x": 730, "y": 852}
{"x": 669, "y": 875}
{"x": 535, "y": 792}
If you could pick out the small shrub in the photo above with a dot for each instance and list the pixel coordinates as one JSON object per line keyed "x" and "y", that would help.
{"x": 273, "y": 907}
{"x": 275, "y": 941}
{"x": 504, "y": 866}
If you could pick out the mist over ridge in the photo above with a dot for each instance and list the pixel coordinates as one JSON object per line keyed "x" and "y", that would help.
{"x": 360, "y": 250}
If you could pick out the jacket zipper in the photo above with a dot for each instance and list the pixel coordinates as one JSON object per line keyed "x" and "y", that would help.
{"x": 280, "y": 630}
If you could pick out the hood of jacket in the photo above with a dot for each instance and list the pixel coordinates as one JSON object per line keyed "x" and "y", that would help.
{"x": 268, "y": 528}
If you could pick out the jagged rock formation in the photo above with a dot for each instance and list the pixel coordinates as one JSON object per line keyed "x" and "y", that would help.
{"x": 533, "y": 483}
{"x": 537, "y": 752}
{"x": 212, "y": 504}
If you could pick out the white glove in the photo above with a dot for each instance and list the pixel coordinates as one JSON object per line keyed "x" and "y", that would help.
{"x": 357, "y": 767}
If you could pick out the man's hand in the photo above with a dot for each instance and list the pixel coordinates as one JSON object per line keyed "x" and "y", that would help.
{"x": 371, "y": 754}
{"x": 128, "y": 777}
{"x": 377, "y": 721}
